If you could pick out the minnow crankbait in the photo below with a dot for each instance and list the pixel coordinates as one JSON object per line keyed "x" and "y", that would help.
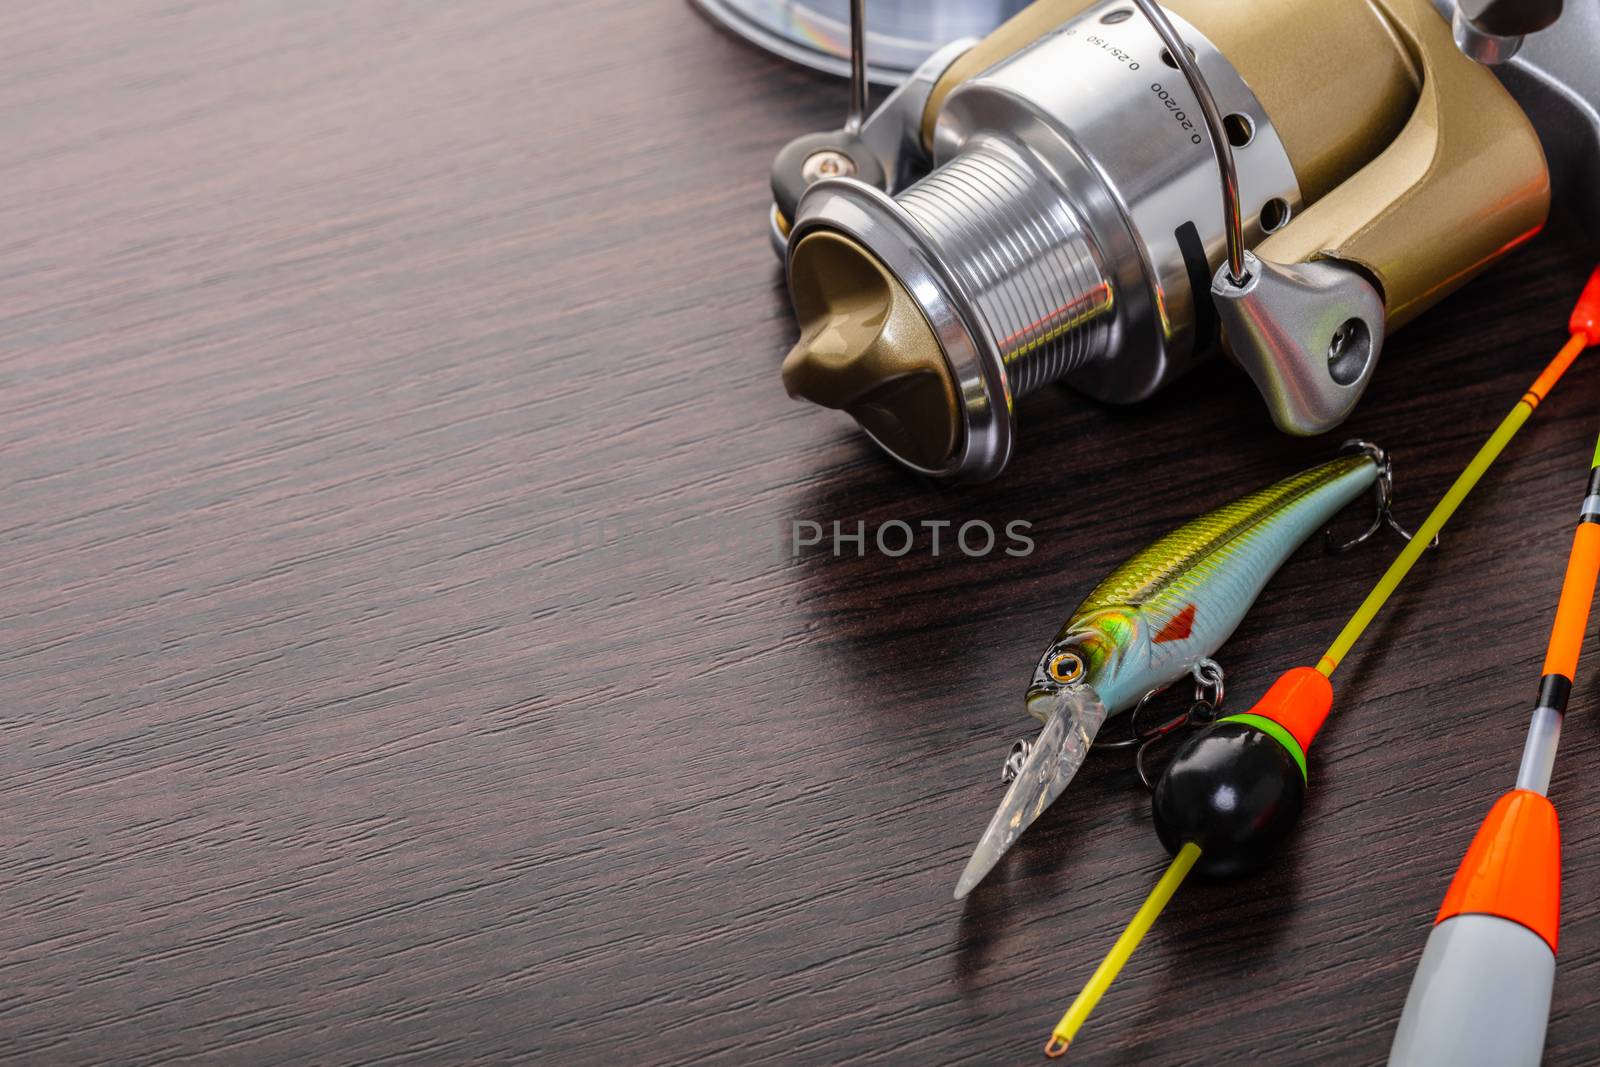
{"x": 1157, "y": 617}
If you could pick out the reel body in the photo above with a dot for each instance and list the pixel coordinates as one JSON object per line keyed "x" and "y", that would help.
{"x": 1044, "y": 207}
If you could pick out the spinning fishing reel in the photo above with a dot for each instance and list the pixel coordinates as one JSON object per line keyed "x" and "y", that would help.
{"x": 1042, "y": 206}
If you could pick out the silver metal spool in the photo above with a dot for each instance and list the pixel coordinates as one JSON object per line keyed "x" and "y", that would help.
{"x": 1056, "y": 244}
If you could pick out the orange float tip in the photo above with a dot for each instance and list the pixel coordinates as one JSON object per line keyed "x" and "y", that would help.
{"x": 1056, "y": 1048}
{"x": 1299, "y": 701}
{"x": 1513, "y": 869}
{"x": 1586, "y": 314}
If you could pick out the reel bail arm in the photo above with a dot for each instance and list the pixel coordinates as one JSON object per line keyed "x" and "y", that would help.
{"x": 881, "y": 148}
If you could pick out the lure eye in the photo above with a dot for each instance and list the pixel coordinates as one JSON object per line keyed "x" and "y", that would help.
{"x": 1066, "y": 667}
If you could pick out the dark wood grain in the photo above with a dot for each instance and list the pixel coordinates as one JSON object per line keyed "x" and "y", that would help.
{"x": 340, "y": 723}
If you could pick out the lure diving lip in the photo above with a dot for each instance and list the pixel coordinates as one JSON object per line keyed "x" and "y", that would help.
{"x": 1157, "y": 617}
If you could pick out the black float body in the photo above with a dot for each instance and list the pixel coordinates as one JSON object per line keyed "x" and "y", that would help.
{"x": 1235, "y": 791}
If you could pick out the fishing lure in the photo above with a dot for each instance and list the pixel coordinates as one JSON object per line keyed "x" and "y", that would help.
{"x": 1481, "y": 995}
{"x": 1159, "y": 616}
{"x": 1234, "y": 790}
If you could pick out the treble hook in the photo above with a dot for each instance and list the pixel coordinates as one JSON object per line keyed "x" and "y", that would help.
{"x": 1209, "y": 692}
{"x": 1383, "y": 490}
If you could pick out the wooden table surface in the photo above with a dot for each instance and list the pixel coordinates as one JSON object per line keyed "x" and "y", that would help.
{"x": 400, "y": 661}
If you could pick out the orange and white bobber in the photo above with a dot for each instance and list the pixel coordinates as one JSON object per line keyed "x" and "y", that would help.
{"x": 1481, "y": 994}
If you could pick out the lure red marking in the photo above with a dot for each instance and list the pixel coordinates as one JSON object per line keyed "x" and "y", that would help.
{"x": 1178, "y": 628}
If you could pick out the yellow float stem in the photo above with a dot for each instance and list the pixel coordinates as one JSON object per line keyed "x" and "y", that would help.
{"x": 1118, "y": 957}
{"x": 1447, "y": 505}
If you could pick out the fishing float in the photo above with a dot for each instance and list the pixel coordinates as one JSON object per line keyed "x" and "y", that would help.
{"x": 1481, "y": 993}
{"x": 1234, "y": 790}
